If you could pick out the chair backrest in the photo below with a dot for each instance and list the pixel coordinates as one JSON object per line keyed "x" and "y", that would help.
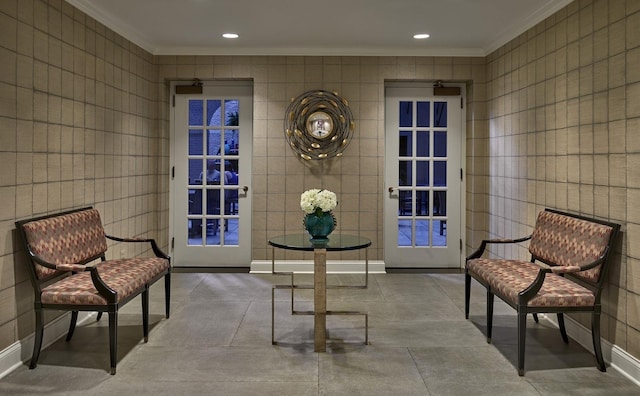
{"x": 74, "y": 237}
{"x": 570, "y": 240}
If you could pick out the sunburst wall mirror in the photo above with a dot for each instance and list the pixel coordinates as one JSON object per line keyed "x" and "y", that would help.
{"x": 318, "y": 125}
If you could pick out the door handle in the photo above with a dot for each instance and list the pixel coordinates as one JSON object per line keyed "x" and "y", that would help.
{"x": 391, "y": 190}
{"x": 245, "y": 189}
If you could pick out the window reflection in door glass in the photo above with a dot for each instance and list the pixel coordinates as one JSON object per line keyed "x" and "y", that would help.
{"x": 406, "y": 143}
{"x": 213, "y": 142}
{"x": 232, "y": 112}
{"x": 422, "y": 232}
{"x": 214, "y": 113}
{"x": 439, "y": 114}
{"x": 195, "y": 112}
{"x": 405, "y": 203}
{"x": 195, "y": 171}
{"x": 406, "y": 114}
{"x": 439, "y": 203}
{"x": 422, "y": 114}
{"x": 195, "y": 142}
{"x": 422, "y": 173}
{"x": 404, "y": 233}
{"x": 422, "y": 143}
{"x": 439, "y": 173}
{"x": 422, "y": 203}
{"x": 440, "y": 144}
{"x": 404, "y": 173}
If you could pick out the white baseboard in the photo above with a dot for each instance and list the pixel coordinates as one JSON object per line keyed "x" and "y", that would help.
{"x": 20, "y": 352}
{"x": 617, "y": 357}
{"x": 306, "y": 266}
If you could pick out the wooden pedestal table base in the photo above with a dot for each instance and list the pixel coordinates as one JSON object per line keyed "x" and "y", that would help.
{"x": 320, "y": 312}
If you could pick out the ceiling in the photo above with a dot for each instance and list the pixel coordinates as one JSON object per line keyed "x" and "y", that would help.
{"x": 325, "y": 27}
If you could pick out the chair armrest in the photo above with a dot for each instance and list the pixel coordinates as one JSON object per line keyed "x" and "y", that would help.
{"x": 74, "y": 267}
{"x": 480, "y": 251}
{"x": 154, "y": 246}
{"x": 558, "y": 269}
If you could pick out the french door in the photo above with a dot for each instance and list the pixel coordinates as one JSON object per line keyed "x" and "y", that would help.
{"x": 423, "y": 178}
{"x": 211, "y": 194}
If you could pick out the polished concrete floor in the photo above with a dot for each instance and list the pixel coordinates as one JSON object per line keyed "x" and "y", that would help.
{"x": 218, "y": 342}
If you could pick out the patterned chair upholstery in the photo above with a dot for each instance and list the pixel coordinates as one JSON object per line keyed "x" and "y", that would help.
{"x": 69, "y": 272}
{"x": 569, "y": 256}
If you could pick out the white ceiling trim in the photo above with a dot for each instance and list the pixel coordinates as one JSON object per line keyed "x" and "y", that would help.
{"x": 550, "y": 8}
{"x": 511, "y": 31}
{"x": 113, "y": 23}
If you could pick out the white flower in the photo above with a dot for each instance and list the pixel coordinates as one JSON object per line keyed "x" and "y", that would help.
{"x": 318, "y": 201}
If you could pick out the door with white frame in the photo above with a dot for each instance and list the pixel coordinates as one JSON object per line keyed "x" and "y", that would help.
{"x": 423, "y": 178}
{"x": 211, "y": 176}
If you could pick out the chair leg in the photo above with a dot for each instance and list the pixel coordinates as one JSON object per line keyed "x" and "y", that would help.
{"x": 145, "y": 314}
{"x": 535, "y": 318}
{"x": 99, "y": 316}
{"x": 113, "y": 340}
{"x": 72, "y": 324}
{"x": 467, "y": 294}
{"x": 489, "y": 315}
{"x": 597, "y": 347}
{"x": 37, "y": 342}
{"x": 563, "y": 329}
{"x": 167, "y": 294}
{"x": 522, "y": 332}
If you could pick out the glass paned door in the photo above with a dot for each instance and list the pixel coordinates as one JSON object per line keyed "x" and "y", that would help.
{"x": 423, "y": 142}
{"x": 212, "y": 153}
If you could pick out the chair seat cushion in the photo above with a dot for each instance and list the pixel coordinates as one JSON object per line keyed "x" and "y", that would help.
{"x": 510, "y": 277}
{"x": 125, "y": 276}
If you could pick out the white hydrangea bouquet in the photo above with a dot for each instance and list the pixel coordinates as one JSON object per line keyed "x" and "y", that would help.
{"x": 318, "y": 201}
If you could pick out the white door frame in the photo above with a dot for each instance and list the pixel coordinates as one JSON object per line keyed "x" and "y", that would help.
{"x": 229, "y": 258}
{"x": 391, "y": 206}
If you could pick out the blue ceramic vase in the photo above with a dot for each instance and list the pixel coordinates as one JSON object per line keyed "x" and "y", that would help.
{"x": 320, "y": 226}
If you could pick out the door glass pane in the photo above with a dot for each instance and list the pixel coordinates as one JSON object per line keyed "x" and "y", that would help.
{"x": 422, "y": 203}
{"x": 422, "y": 144}
{"x": 439, "y": 173}
{"x": 422, "y": 114}
{"x": 195, "y": 202}
{"x": 422, "y": 232}
{"x": 406, "y": 143}
{"x": 213, "y": 201}
{"x": 214, "y": 115}
{"x": 195, "y": 171}
{"x": 439, "y": 203}
{"x": 405, "y": 174}
{"x": 195, "y": 141}
{"x": 439, "y": 232}
{"x": 194, "y": 229}
{"x": 422, "y": 173}
{"x": 404, "y": 233}
{"x": 230, "y": 139}
{"x": 231, "y": 113}
{"x": 440, "y": 144}
{"x": 195, "y": 112}
{"x": 405, "y": 114}
{"x": 213, "y": 142}
{"x": 405, "y": 203}
{"x": 439, "y": 114}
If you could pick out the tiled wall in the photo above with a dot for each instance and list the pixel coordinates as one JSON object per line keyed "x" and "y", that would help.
{"x": 78, "y": 126}
{"x": 279, "y": 177}
{"x": 84, "y": 120}
{"x": 564, "y": 116}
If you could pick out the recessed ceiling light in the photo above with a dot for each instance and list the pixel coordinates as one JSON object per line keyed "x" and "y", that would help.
{"x": 229, "y": 35}
{"x": 420, "y": 36}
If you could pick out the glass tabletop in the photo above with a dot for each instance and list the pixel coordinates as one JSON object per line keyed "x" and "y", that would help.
{"x": 336, "y": 242}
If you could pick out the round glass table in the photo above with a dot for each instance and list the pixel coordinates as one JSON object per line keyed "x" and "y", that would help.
{"x": 336, "y": 242}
